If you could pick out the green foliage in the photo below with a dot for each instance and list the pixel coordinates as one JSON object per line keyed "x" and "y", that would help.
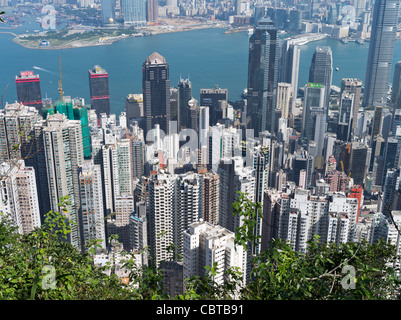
{"x": 42, "y": 265}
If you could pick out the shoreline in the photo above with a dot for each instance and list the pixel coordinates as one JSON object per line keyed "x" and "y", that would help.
{"x": 146, "y": 32}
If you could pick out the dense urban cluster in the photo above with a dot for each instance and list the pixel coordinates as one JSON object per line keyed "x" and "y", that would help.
{"x": 162, "y": 176}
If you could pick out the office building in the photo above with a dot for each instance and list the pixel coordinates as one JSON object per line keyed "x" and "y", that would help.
{"x": 107, "y": 12}
{"x": 99, "y": 90}
{"x": 134, "y": 12}
{"x": 345, "y": 116}
{"x": 134, "y": 107}
{"x": 354, "y": 86}
{"x": 321, "y": 71}
{"x": 28, "y": 89}
{"x": 184, "y": 95}
{"x": 193, "y": 115}
{"x": 314, "y": 117}
{"x": 262, "y": 82}
{"x": 210, "y": 98}
{"x": 156, "y": 92}
{"x": 381, "y": 49}
{"x": 289, "y": 67}
{"x": 359, "y": 162}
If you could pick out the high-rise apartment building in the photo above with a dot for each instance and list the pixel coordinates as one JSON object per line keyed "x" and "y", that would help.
{"x": 17, "y": 123}
{"x": 64, "y": 154}
{"x": 206, "y": 244}
{"x": 156, "y": 92}
{"x": 160, "y": 218}
{"x": 381, "y": 50}
{"x": 117, "y": 171}
{"x": 99, "y": 90}
{"x": 296, "y": 216}
{"x": 18, "y": 195}
{"x": 263, "y": 60}
{"x": 91, "y": 209}
{"x": 28, "y": 89}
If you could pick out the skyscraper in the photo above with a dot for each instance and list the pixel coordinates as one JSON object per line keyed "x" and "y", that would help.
{"x": 134, "y": 12}
{"x": 18, "y": 196}
{"x": 99, "y": 90}
{"x": 263, "y": 60}
{"x": 28, "y": 89}
{"x": 16, "y": 125}
{"x": 156, "y": 92}
{"x": 184, "y": 95}
{"x": 345, "y": 118}
{"x": 284, "y": 98}
{"x": 289, "y": 67}
{"x": 314, "y": 117}
{"x": 210, "y": 98}
{"x": 354, "y": 86}
{"x": 152, "y": 10}
{"x": 107, "y": 11}
{"x": 381, "y": 49}
{"x": 91, "y": 197}
{"x": 64, "y": 154}
{"x": 396, "y": 90}
{"x": 321, "y": 71}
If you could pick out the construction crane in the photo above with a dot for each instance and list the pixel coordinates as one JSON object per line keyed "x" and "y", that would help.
{"x": 60, "y": 84}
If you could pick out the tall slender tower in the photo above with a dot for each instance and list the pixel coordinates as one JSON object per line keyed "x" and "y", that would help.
{"x": 381, "y": 50}
{"x": 264, "y": 52}
{"x": 156, "y": 92}
{"x": 99, "y": 90}
{"x": 321, "y": 71}
{"x": 184, "y": 95}
{"x": 64, "y": 154}
{"x": 314, "y": 118}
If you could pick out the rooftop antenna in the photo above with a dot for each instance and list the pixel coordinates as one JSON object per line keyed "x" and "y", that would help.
{"x": 60, "y": 85}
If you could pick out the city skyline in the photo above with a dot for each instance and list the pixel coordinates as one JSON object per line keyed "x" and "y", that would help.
{"x": 169, "y": 177}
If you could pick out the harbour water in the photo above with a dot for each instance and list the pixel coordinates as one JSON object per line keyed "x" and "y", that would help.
{"x": 208, "y": 57}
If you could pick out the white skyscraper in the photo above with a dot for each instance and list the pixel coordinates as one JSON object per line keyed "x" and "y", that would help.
{"x": 18, "y": 196}
{"x": 64, "y": 154}
{"x": 161, "y": 235}
{"x": 91, "y": 196}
